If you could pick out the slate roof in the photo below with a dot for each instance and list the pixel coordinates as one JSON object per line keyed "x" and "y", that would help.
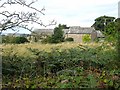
{"x": 39, "y": 31}
{"x": 79, "y": 30}
{"x": 72, "y": 30}
{"x": 82, "y": 30}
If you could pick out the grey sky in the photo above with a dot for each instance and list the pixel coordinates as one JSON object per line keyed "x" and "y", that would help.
{"x": 76, "y": 12}
{"x": 79, "y": 12}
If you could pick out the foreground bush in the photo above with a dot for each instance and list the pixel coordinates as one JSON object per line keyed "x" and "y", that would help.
{"x": 80, "y": 67}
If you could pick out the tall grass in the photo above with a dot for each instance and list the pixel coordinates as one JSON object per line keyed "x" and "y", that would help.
{"x": 21, "y": 49}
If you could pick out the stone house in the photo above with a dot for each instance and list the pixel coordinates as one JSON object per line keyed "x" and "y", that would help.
{"x": 77, "y": 33}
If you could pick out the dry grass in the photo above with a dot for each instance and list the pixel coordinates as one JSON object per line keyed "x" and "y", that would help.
{"x": 21, "y": 49}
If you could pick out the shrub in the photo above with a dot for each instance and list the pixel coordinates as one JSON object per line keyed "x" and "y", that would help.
{"x": 7, "y": 39}
{"x": 11, "y": 39}
{"x": 79, "y": 67}
{"x": 50, "y": 39}
{"x": 69, "y": 39}
{"x": 19, "y": 40}
{"x": 86, "y": 38}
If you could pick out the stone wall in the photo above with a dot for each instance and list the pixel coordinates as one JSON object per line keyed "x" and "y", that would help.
{"x": 76, "y": 37}
{"x": 93, "y": 35}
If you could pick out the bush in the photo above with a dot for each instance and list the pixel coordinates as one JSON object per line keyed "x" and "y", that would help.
{"x": 48, "y": 39}
{"x": 19, "y": 40}
{"x": 69, "y": 39}
{"x": 79, "y": 67}
{"x": 7, "y": 39}
{"x": 86, "y": 38}
{"x": 11, "y": 39}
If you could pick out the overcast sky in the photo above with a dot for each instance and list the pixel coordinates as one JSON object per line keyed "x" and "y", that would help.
{"x": 76, "y": 12}
{"x": 79, "y": 12}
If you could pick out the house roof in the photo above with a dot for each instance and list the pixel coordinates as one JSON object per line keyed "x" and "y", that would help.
{"x": 44, "y": 31}
{"x": 79, "y": 30}
{"x": 72, "y": 30}
{"x": 82, "y": 30}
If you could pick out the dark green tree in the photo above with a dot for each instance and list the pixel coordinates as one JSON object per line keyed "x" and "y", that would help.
{"x": 110, "y": 31}
{"x": 102, "y": 21}
{"x": 58, "y": 35}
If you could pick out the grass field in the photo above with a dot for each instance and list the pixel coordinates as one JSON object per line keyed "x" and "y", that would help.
{"x": 21, "y": 49}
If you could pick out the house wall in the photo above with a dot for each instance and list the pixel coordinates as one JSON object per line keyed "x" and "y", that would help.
{"x": 93, "y": 35}
{"x": 76, "y": 37}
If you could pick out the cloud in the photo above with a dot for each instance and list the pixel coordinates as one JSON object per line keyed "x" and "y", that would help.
{"x": 79, "y": 11}
{"x": 74, "y": 12}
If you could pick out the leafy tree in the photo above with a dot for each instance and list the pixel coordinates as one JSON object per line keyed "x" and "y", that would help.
{"x": 111, "y": 31}
{"x": 102, "y": 21}
{"x": 58, "y": 35}
{"x": 107, "y": 25}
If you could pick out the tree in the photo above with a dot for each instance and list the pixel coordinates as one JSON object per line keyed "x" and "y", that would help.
{"x": 21, "y": 19}
{"x": 102, "y": 21}
{"x": 58, "y": 35}
{"x": 110, "y": 31}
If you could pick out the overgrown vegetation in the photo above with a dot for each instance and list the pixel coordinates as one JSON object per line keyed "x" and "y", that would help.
{"x": 78, "y": 67}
